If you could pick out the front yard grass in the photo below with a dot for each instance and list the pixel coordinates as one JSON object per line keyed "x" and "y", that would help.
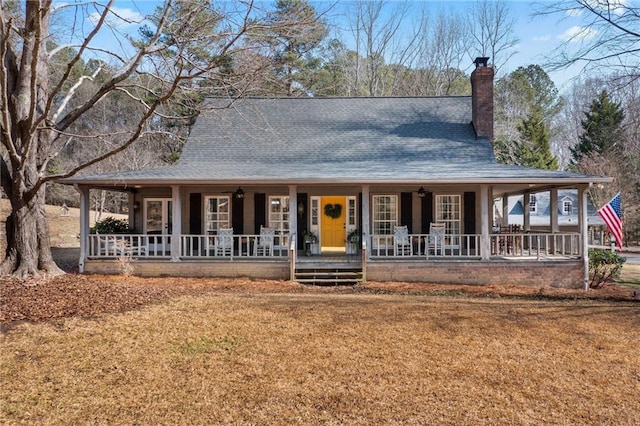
{"x": 629, "y": 276}
{"x": 224, "y": 358}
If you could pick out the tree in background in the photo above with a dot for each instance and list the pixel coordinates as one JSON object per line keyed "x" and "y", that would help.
{"x": 602, "y": 128}
{"x": 606, "y": 40}
{"x": 606, "y": 43}
{"x": 293, "y": 46}
{"x": 382, "y": 35}
{"x": 604, "y": 148}
{"x": 533, "y": 149}
{"x": 526, "y": 102}
{"x": 186, "y": 51}
{"x": 404, "y": 48}
{"x": 444, "y": 46}
{"x": 493, "y": 28}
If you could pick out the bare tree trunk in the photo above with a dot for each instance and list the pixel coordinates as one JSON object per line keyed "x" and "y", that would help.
{"x": 28, "y": 242}
{"x": 40, "y": 109}
{"x": 46, "y": 262}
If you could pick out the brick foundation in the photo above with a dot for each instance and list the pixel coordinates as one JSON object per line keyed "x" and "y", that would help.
{"x": 563, "y": 274}
{"x": 155, "y": 268}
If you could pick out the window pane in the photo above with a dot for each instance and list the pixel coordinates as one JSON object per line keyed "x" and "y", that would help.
{"x": 217, "y": 214}
{"x": 384, "y": 213}
{"x": 279, "y": 218}
{"x": 448, "y": 212}
{"x": 314, "y": 212}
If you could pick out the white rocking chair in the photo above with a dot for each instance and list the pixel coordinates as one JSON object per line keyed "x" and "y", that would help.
{"x": 402, "y": 241}
{"x": 223, "y": 242}
{"x": 435, "y": 239}
{"x": 264, "y": 245}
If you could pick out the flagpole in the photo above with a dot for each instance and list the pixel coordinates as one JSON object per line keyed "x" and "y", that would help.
{"x": 585, "y": 240}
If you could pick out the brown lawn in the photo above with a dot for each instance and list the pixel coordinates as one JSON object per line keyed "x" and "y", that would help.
{"x": 267, "y": 352}
{"x": 116, "y": 350}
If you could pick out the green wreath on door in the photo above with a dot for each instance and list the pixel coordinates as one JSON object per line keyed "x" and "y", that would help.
{"x": 334, "y": 211}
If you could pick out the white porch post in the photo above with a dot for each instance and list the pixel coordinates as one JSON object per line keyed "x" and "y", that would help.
{"x": 505, "y": 210}
{"x": 130, "y": 205}
{"x": 84, "y": 224}
{"x": 485, "y": 238}
{"x": 526, "y": 220}
{"x": 582, "y": 221}
{"x": 366, "y": 236}
{"x": 176, "y": 222}
{"x": 553, "y": 217}
{"x": 293, "y": 213}
{"x": 553, "y": 214}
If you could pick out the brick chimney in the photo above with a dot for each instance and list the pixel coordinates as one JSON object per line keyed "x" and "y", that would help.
{"x": 482, "y": 98}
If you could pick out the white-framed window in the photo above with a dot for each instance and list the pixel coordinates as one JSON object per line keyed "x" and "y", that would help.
{"x": 385, "y": 214}
{"x": 533, "y": 203}
{"x": 567, "y": 207}
{"x": 315, "y": 211}
{"x": 217, "y": 212}
{"x": 351, "y": 212}
{"x": 279, "y": 218}
{"x": 448, "y": 212}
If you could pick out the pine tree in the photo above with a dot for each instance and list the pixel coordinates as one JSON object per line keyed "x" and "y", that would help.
{"x": 534, "y": 149}
{"x": 527, "y": 101}
{"x": 296, "y": 32}
{"x": 602, "y": 127}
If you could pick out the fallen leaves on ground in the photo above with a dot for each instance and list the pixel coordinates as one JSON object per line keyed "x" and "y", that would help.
{"x": 74, "y": 295}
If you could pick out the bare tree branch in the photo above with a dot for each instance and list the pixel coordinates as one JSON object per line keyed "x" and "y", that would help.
{"x": 72, "y": 63}
{"x": 493, "y": 30}
{"x": 607, "y": 36}
{"x": 120, "y": 75}
{"x": 72, "y": 91}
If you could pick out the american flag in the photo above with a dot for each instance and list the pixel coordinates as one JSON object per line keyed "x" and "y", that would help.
{"x": 611, "y": 213}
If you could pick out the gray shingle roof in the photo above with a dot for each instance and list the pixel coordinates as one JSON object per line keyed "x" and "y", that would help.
{"x": 346, "y": 139}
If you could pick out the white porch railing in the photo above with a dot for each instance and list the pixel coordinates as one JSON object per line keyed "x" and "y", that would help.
{"x": 517, "y": 245}
{"x": 191, "y": 246}
{"x": 536, "y": 245}
{"x": 425, "y": 245}
{"x": 520, "y": 245}
{"x": 134, "y": 245}
{"x": 238, "y": 247}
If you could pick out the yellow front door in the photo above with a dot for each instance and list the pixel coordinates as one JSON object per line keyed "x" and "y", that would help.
{"x": 332, "y": 222}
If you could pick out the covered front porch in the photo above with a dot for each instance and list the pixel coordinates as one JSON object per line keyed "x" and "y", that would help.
{"x": 200, "y": 230}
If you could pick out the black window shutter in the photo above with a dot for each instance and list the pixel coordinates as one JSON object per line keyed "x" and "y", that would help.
{"x": 260, "y": 201}
{"x": 237, "y": 214}
{"x": 470, "y": 216}
{"x": 195, "y": 214}
{"x": 359, "y": 208}
{"x": 303, "y": 218}
{"x": 406, "y": 210}
{"x": 469, "y": 212}
{"x": 427, "y": 211}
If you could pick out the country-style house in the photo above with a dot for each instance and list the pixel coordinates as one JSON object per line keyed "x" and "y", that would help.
{"x": 333, "y": 189}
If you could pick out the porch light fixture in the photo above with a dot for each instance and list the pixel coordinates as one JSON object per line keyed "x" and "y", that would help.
{"x": 136, "y": 205}
{"x": 239, "y": 193}
{"x": 301, "y": 208}
{"x": 422, "y": 192}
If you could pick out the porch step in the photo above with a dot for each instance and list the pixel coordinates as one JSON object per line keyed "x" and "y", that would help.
{"x": 328, "y": 276}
